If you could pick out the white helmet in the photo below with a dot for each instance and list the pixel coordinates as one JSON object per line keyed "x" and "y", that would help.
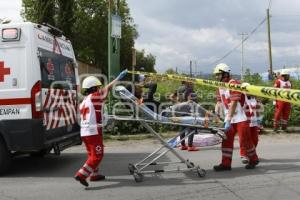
{"x": 285, "y": 72}
{"x": 141, "y": 78}
{"x": 216, "y": 70}
{"x": 90, "y": 81}
{"x": 222, "y": 67}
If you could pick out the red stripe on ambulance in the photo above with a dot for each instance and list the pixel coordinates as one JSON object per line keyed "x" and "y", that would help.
{"x": 16, "y": 101}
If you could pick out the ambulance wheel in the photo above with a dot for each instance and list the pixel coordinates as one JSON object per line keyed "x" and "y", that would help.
{"x": 5, "y": 157}
{"x": 131, "y": 168}
{"x": 201, "y": 172}
{"x": 138, "y": 177}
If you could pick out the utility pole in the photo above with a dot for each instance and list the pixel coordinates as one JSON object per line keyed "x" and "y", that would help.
{"x": 269, "y": 42}
{"x": 191, "y": 70}
{"x": 113, "y": 39}
{"x": 242, "y": 55}
{"x": 195, "y": 62}
{"x": 133, "y": 62}
{"x": 109, "y": 40}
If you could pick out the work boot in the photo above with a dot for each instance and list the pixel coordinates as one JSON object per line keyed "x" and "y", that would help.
{"x": 192, "y": 148}
{"x": 285, "y": 130}
{"x": 98, "y": 177}
{"x": 244, "y": 160}
{"x": 252, "y": 164}
{"x": 276, "y": 130}
{"x": 82, "y": 181}
{"x": 221, "y": 167}
{"x": 183, "y": 147}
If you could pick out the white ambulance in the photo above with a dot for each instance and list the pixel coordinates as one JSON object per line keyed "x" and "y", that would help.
{"x": 38, "y": 91}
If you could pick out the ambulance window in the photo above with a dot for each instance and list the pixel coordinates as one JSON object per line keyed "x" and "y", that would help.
{"x": 67, "y": 71}
{"x": 56, "y": 70}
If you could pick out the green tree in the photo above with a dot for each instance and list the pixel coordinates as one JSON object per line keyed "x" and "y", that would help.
{"x": 254, "y": 79}
{"x": 170, "y": 71}
{"x": 39, "y": 11}
{"x": 145, "y": 61}
{"x": 90, "y": 32}
{"x": 85, "y": 23}
{"x": 65, "y": 17}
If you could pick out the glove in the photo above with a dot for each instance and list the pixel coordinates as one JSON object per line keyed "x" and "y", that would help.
{"x": 259, "y": 122}
{"x": 227, "y": 126}
{"x": 173, "y": 142}
{"x": 122, "y": 74}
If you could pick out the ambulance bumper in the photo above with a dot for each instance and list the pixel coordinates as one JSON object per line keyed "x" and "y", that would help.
{"x": 30, "y": 135}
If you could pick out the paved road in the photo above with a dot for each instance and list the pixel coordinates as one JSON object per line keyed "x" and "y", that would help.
{"x": 277, "y": 177}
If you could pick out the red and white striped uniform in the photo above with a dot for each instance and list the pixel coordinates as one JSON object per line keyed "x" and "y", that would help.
{"x": 282, "y": 109}
{"x": 239, "y": 124}
{"x": 252, "y": 108}
{"x": 282, "y": 84}
{"x": 91, "y": 110}
{"x": 226, "y": 96}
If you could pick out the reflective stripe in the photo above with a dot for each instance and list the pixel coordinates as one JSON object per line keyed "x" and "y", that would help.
{"x": 251, "y": 154}
{"x": 227, "y": 155}
{"x": 88, "y": 168}
{"x": 95, "y": 174}
{"x": 84, "y": 173}
{"x": 235, "y": 95}
{"x": 227, "y": 149}
{"x": 228, "y": 152}
{"x": 250, "y": 150}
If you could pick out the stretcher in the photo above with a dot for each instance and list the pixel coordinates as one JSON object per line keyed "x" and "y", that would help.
{"x": 141, "y": 168}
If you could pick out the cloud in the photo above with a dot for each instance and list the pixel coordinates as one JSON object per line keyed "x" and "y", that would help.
{"x": 11, "y": 9}
{"x": 177, "y": 31}
{"x": 203, "y": 31}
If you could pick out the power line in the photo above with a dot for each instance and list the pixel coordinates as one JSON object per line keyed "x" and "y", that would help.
{"x": 237, "y": 46}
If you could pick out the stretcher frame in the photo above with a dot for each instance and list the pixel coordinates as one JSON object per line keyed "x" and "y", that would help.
{"x": 139, "y": 169}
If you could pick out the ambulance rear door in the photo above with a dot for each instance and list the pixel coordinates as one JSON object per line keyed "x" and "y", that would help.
{"x": 59, "y": 84}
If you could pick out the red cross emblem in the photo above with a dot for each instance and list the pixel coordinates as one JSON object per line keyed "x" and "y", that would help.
{"x": 84, "y": 111}
{"x": 3, "y": 71}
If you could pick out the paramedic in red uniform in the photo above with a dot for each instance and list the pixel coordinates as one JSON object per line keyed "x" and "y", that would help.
{"x": 253, "y": 111}
{"x": 91, "y": 110}
{"x": 282, "y": 109}
{"x": 235, "y": 121}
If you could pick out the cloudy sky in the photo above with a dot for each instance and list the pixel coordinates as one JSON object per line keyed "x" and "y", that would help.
{"x": 177, "y": 31}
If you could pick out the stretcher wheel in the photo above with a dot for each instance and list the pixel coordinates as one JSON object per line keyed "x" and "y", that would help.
{"x": 192, "y": 165}
{"x": 138, "y": 177}
{"x": 201, "y": 172}
{"x": 131, "y": 168}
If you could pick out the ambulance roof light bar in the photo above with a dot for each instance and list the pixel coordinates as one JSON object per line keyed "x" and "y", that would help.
{"x": 53, "y": 30}
{"x": 10, "y": 34}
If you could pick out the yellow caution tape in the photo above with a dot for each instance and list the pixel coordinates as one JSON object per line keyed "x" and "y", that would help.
{"x": 282, "y": 94}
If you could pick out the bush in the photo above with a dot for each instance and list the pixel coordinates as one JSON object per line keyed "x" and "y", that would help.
{"x": 205, "y": 95}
